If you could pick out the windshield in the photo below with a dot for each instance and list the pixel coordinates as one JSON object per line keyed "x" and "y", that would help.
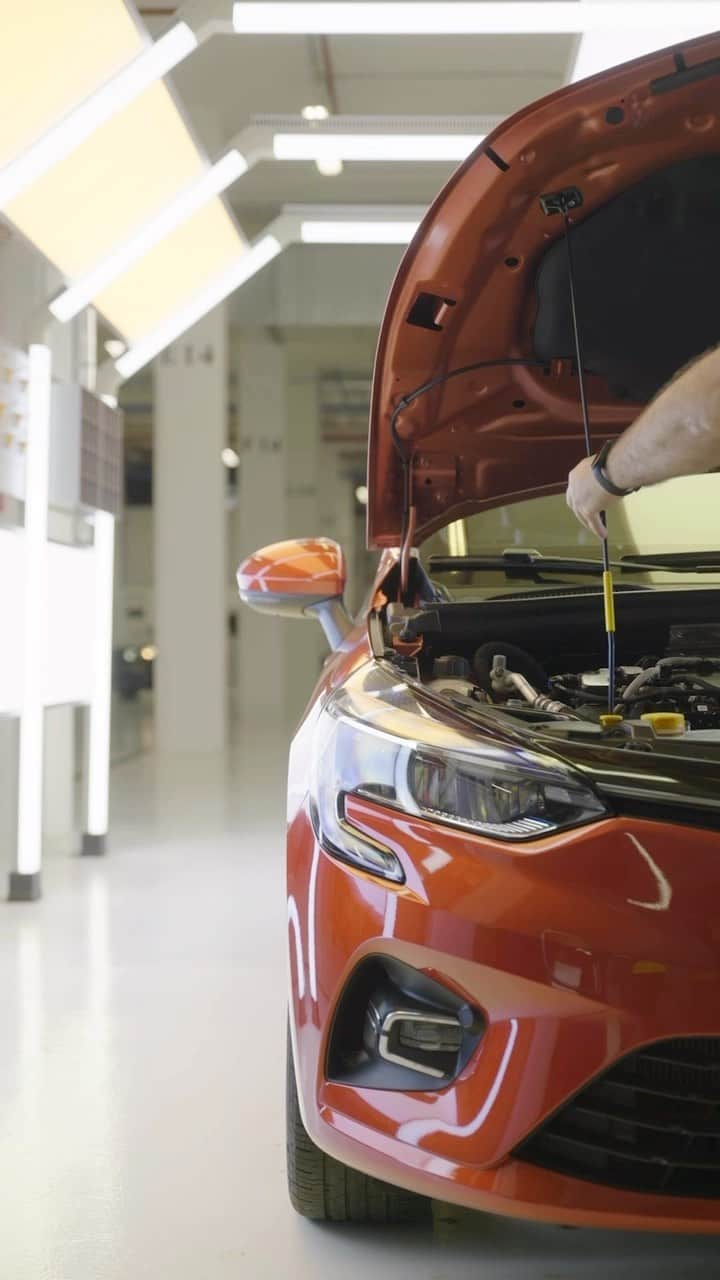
{"x": 670, "y": 520}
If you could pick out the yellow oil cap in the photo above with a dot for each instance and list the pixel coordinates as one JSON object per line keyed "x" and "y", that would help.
{"x": 665, "y": 724}
{"x": 610, "y": 721}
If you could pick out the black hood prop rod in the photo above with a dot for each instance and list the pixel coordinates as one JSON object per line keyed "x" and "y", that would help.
{"x": 565, "y": 205}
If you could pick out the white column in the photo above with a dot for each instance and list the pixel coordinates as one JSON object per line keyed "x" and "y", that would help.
{"x": 190, "y": 586}
{"x": 98, "y": 755}
{"x": 25, "y": 877}
{"x": 261, "y": 515}
{"x": 58, "y": 780}
{"x": 305, "y": 645}
{"x": 9, "y": 730}
{"x": 74, "y": 358}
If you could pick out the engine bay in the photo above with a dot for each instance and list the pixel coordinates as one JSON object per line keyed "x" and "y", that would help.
{"x": 540, "y": 660}
{"x": 679, "y": 684}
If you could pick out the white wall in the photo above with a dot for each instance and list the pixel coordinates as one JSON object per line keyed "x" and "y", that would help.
{"x": 27, "y": 282}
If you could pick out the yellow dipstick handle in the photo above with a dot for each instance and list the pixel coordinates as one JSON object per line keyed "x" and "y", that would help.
{"x": 610, "y": 721}
{"x": 609, "y": 600}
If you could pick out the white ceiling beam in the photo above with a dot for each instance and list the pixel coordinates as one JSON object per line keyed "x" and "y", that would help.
{"x": 667, "y": 23}
{"x": 252, "y": 260}
{"x": 348, "y": 137}
{"x": 296, "y": 224}
{"x": 503, "y": 17}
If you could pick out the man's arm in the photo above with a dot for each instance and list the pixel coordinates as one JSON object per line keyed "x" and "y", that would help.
{"x": 678, "y": 434}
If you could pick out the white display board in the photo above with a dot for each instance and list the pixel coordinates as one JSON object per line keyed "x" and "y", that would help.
{"x": 56, "y": 632}
{"x": 68, "y": 674}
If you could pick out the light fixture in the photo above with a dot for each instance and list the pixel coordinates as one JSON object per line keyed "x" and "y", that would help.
{"x": 416, "y": 147}
{"x": 318, "y": 112}
{"x": 349, "y": 231}
{"x": 329, "y": 166}
{"x": 230, "y": 458}
{"x": 114, "y": 347}
{"x": 101, "y": 106}
{"x": 30, "y": 763}
{"x": 247, "y": 265}
{"x": 108, "y": 399}
{"x": 216, "y": 179}
{"x": 523, "y": 17}
{"x": 99, "y": 730}
{"x": 361, "y": 494}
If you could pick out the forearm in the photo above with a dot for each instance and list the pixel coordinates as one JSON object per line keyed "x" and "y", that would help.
{"x": 678, "y": 434}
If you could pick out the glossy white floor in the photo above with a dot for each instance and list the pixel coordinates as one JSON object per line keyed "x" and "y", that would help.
{"x": 141, "y": 1130}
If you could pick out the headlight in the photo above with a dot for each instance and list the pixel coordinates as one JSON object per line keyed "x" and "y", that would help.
{"x": 432, "y": 769}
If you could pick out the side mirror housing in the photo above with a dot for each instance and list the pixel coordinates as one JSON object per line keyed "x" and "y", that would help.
{"x": 301, "y": 578}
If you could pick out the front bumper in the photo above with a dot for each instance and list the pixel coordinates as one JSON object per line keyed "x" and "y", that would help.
{"x": 578, "y": 949}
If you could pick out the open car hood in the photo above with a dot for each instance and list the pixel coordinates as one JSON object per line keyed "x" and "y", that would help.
{"x": 486, "y": 277}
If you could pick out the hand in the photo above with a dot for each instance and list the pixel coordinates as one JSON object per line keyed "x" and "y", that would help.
{"x": 586, "y": 498}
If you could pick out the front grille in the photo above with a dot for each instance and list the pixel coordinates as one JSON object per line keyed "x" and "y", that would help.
{"x": 650, "y": 1124}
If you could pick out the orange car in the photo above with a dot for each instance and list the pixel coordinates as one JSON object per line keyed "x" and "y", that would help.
{"x": 503, "y": 848}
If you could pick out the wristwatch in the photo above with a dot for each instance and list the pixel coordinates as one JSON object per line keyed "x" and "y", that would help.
{"x": 602, "y": 477}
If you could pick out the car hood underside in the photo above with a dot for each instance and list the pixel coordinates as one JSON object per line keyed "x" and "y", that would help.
{"x": 634, "y": 154}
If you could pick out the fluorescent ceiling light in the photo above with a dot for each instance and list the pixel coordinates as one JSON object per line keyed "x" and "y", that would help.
{"x": 214, "y": 180}
{"x": 357, "y": 232}
{"x": 508, "y": 17}
{"x": 101, "y": 642}
{"x": 329, "y": 166}
{"x": 30, "y": 764}
{"x": 250, "y": 262}
{"x": 77, "y": 125}
{"x": 315, "y": 145}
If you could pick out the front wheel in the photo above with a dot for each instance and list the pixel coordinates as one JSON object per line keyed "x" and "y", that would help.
{"x": 325, "y": 1190}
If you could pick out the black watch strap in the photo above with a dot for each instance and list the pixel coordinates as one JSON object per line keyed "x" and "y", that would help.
{"x": 602, "y": 476}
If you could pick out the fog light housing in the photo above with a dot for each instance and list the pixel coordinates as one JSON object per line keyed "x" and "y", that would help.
{"x": 428, "y": 1042}
{"x": 396, "y": 1028}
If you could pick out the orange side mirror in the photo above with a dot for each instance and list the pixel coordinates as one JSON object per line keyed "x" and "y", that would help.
{"x": 301, "y": 578}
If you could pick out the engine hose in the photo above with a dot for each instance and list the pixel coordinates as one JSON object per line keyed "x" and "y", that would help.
{"x": 638, "y": 682}
{"x": 535, "y": 699}
{"x": 633, "y": 692}
{"x": 668, "y": 692}
{"x": 517, "y": 660}
{"x": 707, "y": 686}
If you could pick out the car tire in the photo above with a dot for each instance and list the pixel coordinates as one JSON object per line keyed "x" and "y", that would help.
{"x": 325, "y": 1190}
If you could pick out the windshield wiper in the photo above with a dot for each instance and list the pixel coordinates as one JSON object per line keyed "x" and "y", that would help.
{"x": 676, "y": 561}
{"x": 532, "y": 564}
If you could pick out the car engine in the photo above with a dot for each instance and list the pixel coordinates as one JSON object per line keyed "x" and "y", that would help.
{"x": 684, "y": 680}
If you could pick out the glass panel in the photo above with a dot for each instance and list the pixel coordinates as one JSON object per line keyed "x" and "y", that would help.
{"x": 678, "y": 517}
